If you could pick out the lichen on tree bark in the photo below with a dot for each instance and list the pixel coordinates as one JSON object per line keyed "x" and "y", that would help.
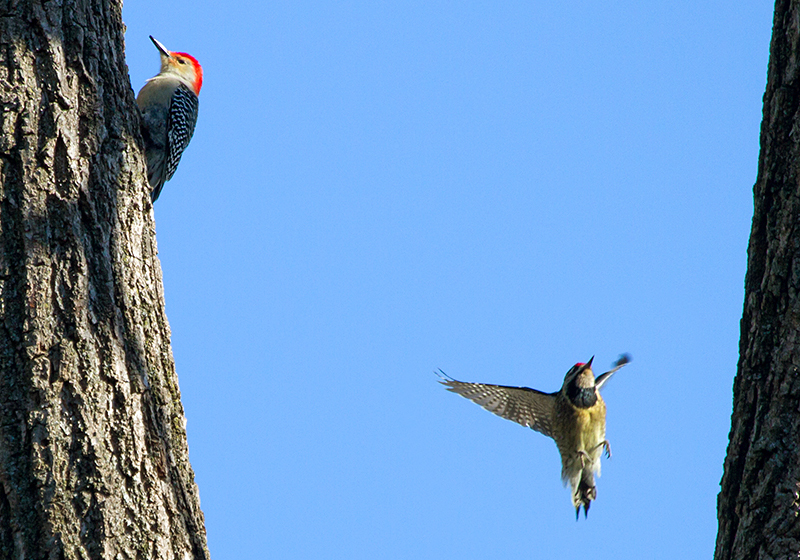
{"x": 93, "y": 454}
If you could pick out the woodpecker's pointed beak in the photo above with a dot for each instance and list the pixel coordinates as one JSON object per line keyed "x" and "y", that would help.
{"x": 161, "y": 48}
{"x": 589, "y": 363}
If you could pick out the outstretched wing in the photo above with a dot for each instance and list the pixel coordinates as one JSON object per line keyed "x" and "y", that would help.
{"x": 603, "y": 377}
{"x": 525, "y": 406}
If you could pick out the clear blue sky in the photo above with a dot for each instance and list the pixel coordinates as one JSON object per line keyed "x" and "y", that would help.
{"x": 377, "y": 190}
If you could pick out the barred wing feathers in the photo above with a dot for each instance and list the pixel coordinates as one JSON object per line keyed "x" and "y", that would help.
{"x": 183, "y": 110}
{"x": 528, "y": 407}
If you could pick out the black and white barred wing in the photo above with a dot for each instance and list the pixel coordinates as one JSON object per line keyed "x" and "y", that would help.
{"x": 182, "y": 117}
{"x": 525, "y": 406}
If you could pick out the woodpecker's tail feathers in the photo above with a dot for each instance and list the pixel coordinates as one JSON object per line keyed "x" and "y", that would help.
{"x": 156, "y": 190}
{"x": 584, "y": 493}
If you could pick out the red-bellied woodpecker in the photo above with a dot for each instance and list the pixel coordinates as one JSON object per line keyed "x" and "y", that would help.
{"x": 169, "y": 104}
{"x": 575, "y": 417}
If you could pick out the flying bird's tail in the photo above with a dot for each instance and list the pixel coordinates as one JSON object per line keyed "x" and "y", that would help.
{"x": 584, "y": 493}
{"x": 578, "y": 470}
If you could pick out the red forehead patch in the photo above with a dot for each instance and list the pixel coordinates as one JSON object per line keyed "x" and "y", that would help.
{"x": 198, "y": 71}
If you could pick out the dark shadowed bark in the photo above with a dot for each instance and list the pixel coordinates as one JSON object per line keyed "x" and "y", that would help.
{"x": 758, "y": 505}
{"x": 93, "y": 455}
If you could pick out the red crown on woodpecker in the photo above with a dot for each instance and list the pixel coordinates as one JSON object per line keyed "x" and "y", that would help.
{"x": 181, "y": 65}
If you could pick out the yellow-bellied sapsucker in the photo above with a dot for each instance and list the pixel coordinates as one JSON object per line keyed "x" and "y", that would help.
{"x": 575, "y": 417}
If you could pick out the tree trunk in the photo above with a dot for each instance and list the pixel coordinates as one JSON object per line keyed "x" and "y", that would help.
{"x": 759, "y": 505}
{"x": 93, "y": 455}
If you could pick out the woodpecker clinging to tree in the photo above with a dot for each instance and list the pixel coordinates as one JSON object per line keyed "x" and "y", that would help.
{"x": 575, "y": 417}
{"x": 169, "y": 104}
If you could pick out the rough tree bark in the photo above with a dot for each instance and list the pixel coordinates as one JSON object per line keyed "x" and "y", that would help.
{"x": 759, "y": 506}
{"x": 93, "y": 455}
